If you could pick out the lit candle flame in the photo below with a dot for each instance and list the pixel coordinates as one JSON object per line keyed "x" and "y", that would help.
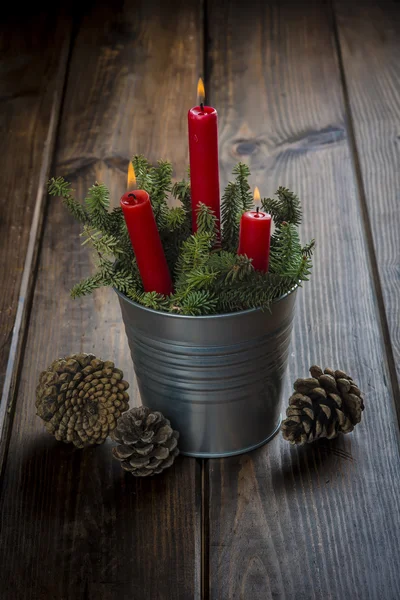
{"x": 257, "y": 197}
{"x": 131, "y": 183}
{"x": 201, "y": 94}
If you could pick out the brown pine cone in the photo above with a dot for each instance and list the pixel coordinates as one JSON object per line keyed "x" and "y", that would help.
{"x": 147, "y": 444}
{"x": 327, "y": 403}
{"x": 80, "y": 399}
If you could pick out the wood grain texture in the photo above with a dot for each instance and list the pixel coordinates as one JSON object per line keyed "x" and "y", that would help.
{"x": 321, "y": 521}
{"x": 74, "y": 525}
{"x": 369, "y": 36}
{"x": 33, "y": 58}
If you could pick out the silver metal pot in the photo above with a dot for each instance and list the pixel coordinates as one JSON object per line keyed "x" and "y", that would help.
{"x": 218, "y": 378}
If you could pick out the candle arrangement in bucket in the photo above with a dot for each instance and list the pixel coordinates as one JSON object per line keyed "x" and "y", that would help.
{"x": 207, "y": 293}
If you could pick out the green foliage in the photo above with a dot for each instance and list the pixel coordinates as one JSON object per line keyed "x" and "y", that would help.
{"x": 157, "y": 183}
{"x": 286, "y": 207}
{"x": 236, "y": 200}
{"x": 87, "y": 286}
{"x": 285, "y": 255}
{"x": 242, "y": 173}
{"x": 175, "y": 218}
{"x": 97, "y": 204}
{"x": 206, "y": 221}
{"x": 308, "y": 249}
{"x": 143, "y": 172}
{"x": 103, "y": 243}
{"x": 231, "y": 211}
{"x": 60, "y": 187}
{"x": 155, "y": 301}
{"x": 198, "y": 303}
{"x": 208, "y": 279}
{"x": 181, "y": 191}
{"x": 194, "y": 254}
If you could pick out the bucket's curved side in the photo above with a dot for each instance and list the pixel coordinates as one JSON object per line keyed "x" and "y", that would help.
{"x": 218, "y": 380}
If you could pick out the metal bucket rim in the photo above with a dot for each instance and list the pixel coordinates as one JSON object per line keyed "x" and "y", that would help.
{"x": 191, "y": 317}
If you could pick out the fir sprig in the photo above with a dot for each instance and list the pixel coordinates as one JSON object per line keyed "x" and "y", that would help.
{"x": 208, "y": 279}
{"x": 242, "y": 173}
{"x": 61, "y": 188}
{"x": 231, "y": 211}
{"x": 286, "y": 207}
{"x": 206, "y": 221}
{"x": 285, "y": 255}
{"x": 97, "y": 204}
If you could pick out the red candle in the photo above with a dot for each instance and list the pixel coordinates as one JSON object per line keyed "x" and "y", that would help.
{"x": 146, "y": 242}
{"x": 255, "y": 237}
{"x": 203, "y": 150}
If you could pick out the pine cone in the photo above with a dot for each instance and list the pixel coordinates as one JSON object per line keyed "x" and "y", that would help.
{"x": 322, "y": 406}
{"x": 146, "y": 442}
{"x": 80, "y": 399}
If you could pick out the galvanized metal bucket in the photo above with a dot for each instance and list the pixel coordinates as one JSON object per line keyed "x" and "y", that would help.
{"x": 218, "y": 378}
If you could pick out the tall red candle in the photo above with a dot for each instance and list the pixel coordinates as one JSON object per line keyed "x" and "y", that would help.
{"x": 255, "y": 238}
{"x": 146, "y": 242}
{"x": 203, "y": 150}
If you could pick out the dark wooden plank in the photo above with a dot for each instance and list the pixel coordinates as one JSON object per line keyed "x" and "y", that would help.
{"x": 74, "y": 525}
{"x": 321, "y": 521}
{"x": 369, "y": 37}
{"x": 33, "y": 58}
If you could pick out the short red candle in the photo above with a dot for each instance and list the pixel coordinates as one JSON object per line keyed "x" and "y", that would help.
{"x": 255, "y": 237}
{"x": 146, "y": 242}
{"x": 203, "y": 149}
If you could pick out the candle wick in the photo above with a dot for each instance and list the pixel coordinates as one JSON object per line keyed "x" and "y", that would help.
{"x": 131, "y": 195}
{"x": 202, "y": 106}
{"x": 258, "y": 209}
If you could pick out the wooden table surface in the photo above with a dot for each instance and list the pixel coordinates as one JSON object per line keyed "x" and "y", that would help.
{"x": 308, "y": 95}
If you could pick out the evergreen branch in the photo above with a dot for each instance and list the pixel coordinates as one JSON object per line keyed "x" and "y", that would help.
{"x": 155, "y": 301}
{"x": 107, "y": 268}
{"x": 134, "y": 294}
{"x": 181, "y": 191}
{"x": 308, "y": 249}
{"x": 242, "y": 268}
{"x": 60, "y": 187}
{"x": 242, "y": 173}
{"x": 231, "y": 211}
{"x": 116, "y": 221}
{"x": 198, "y": 303}
{"x": 286, "y": 208}
{"x": 206, "y": 221}
{"x": 161, "y": 186}
{"x": 122, "y": 279}
{"x": 285, "y": 254}
{"x": 144, "y": 173}
{"x": 88, "y": 285}
{"x": 97, "y": 205}
{"x": 207, "y": 280}
{"x": 240, "y": 297}
{"x": 175, "y": 218}
{"x": 162, "y": 182}
{"x": 103, "y": 243}
{"x": 304, "y": 270}
{"x": 194, "y": 254}
{"x": 273, "y": 207}
{"x": 200, "y": 278}
{"x": 291, "y": 208}
{"x": 222, "y": 261}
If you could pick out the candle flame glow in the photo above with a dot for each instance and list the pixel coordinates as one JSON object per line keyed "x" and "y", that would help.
{"x": 257, "y": 197}
{"x": 201, "y": 93}
{"x": 131, "y": 183}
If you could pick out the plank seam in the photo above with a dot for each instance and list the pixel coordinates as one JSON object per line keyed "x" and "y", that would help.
{"x": 362, "y": 197}
{"x": 206, "y": 73}
{"x": 205, "y": 474}
{"x": 205, "y": 530}
{"x": 29, "y": 274}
